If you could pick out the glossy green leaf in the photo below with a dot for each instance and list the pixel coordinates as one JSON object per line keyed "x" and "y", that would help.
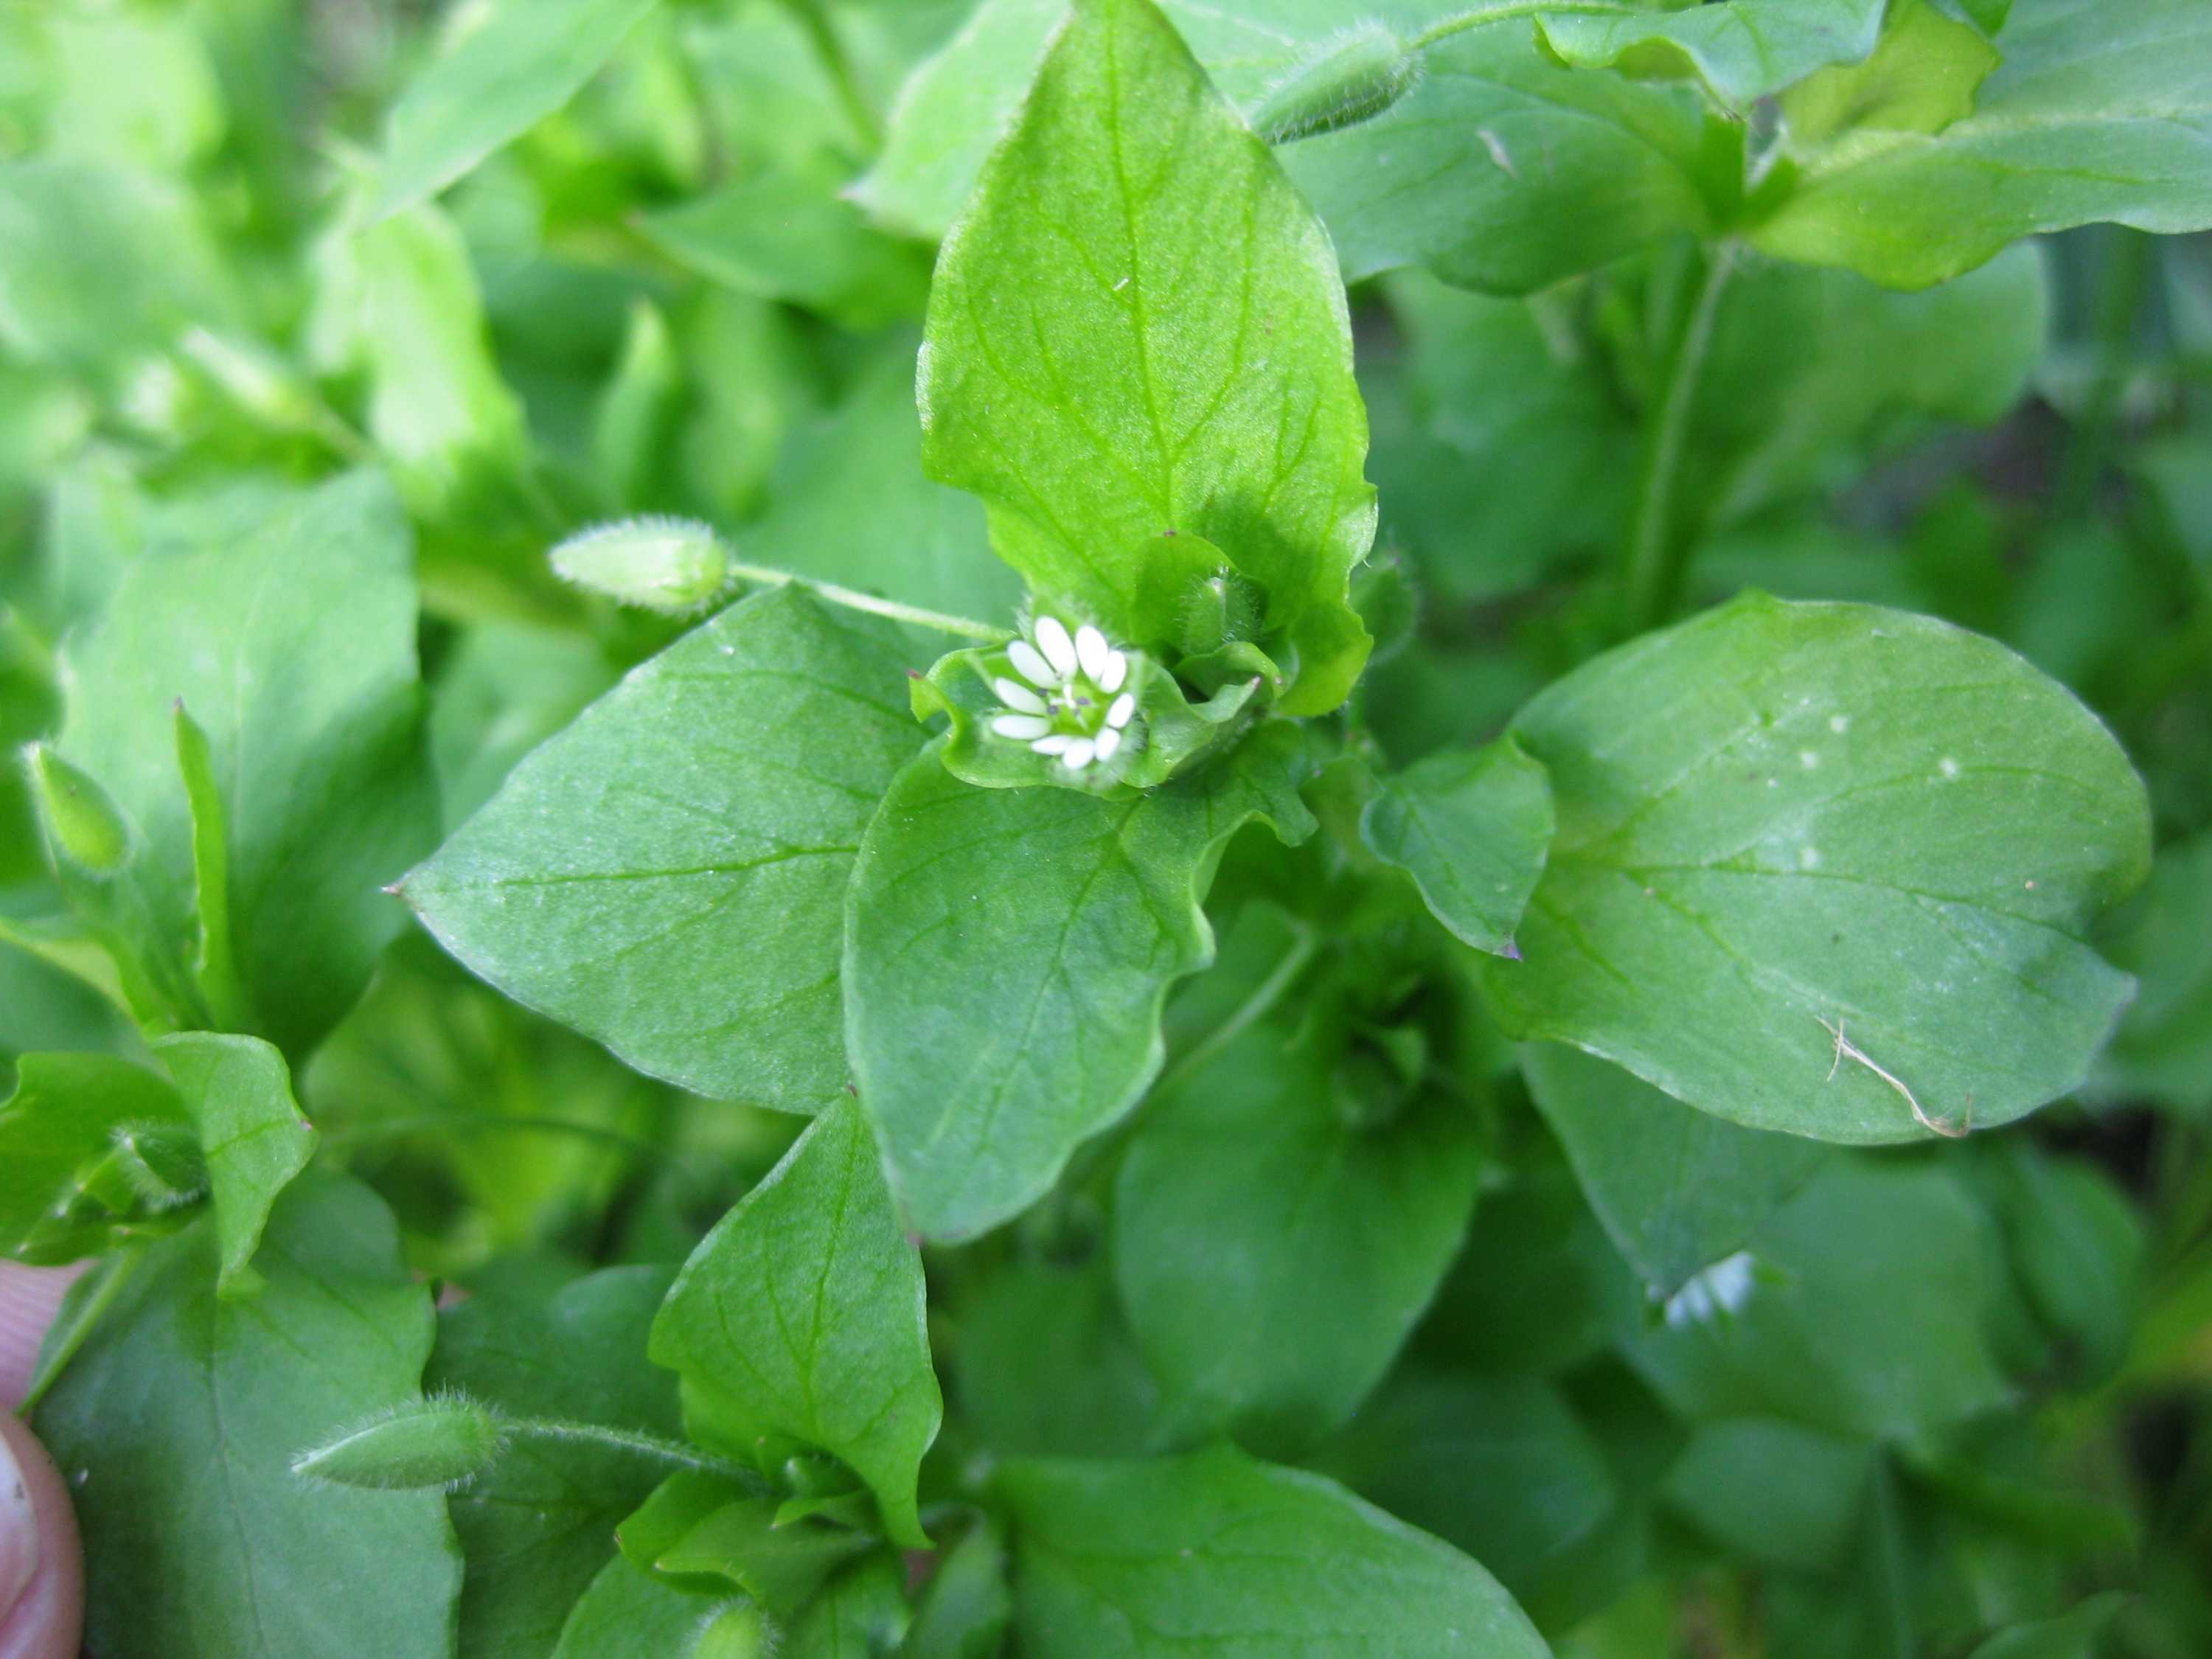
{"x": 1472, "y": 828}
{"x": 252, "y": 1135}
{"x": 800, "y": 1318}
{"x": 1120, "y": 1560}
{"x": 1102, "y": 388}
{"x": 2094, "y": 114}
{"x": 680, "y": 899}
{"x": 67, "y": 1114}
{"x": 736, "y": 1537}
{"x": 1006, "y": 954}
{"x": 1677, "y": 1190}
{"x": 1247, "y": 1198}
{"x": 179, "y": 1420}
{"x": 291, "y": 645}
{"x": 1505, "y": 172}
{"x": 521, "y": 61}
{"x": 1865, "y": 1313}
{"x": 860, "y": 1612}
{"x": 539, "y": 1527}
{"x": 2164, "y": 1046}
{"x": 1743, "y": 49}
{"x": 1826, "y": 868}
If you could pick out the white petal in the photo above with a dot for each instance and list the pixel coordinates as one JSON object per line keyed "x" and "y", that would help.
{"x": 1078, "y": 754}
{"x": 1092, "y": 651}
{"x": 1015, "y": 695}
{"x": 1116, "y": 670}
{"x": 1058, "y": 743}
{"x": 1124, "y": 707}
{"x": 1021, "y": 725}
{"x": 1030, "y": 665}
{"x": 1108, "y": 741}
{"x": 1052, "y": 639}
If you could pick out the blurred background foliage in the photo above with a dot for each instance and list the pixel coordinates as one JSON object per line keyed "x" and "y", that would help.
{"x": 1978, "y": 1389}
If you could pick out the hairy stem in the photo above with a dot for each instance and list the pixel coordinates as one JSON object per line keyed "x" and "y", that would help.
{"x": 853, "y": 600}
{"x": 1652, "y": 554}
{"x": 633, "y": 1440}
{"x": 1445, "y": 28}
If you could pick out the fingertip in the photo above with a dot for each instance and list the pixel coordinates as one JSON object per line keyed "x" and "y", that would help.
{"x": 38, "y": 1531}
{"x": 28, "y": 1298}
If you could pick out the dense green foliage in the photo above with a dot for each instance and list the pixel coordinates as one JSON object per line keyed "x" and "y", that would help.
{"x": 988, "y": 828}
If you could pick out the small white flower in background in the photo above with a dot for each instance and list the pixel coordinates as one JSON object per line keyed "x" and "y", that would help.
{"x": 1073, "y": 705}
{"x": 1723, "y": 1288}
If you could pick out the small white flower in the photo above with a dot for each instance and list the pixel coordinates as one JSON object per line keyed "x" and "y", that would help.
{"x": 1723, "y": 1288}
{"x": 1070, "y": 707}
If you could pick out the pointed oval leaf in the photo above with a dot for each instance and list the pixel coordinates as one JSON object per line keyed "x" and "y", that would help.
{"x": 1472, "y": 828}
{"x": 801, "y": 1317}
{"x": 1006, "y": 954}
{"x": 1779, "y": 823}
{"x": 1145, "y": 1560}
{"x": 1105, "y": 369}
{"x": 668, "y": 874}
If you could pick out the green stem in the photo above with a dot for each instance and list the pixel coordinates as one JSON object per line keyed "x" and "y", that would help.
{"x": 87, "y": 1301}
{"x": 853, "y": 600}
{"x": 633, "y": 1440}
{"x": 1255, "y": 1007}
{"x": 1653, "y": 553}
{"x": 1509, "y": 9}
{"x": 831, "y": 51}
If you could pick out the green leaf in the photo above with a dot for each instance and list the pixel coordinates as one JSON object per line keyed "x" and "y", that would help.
{"x": 849, "y": 503}
{"x": 291, "y": 645}
{"x": 215, "y": 954}
{"x": 397, "y": 301}
{"x": 1773, "y": 1491}
{"x": 1864, "y": 1314}
{"x": 1826, "y": 868}
{"x": 1498, "y": 1467}
{"x": 1006, "y": 954}
{"x": 1677, "y": 1190}
{"x": 253, "y": 1135}
{"x": 538, "y": 1529}
{"x": 2094, "y": 114}
{"x": 1504, "y": 172}
{"x": 1539, "y": 1288}
{"x": 1249, "y": 1196}
{"x": 791, "y": 236}
{"x": 1743, "y": 49}
{"x": 1871, "y": 361}
{"x": 679, "y": 898}
{"x": 1103, "y": 387}
{"x": 1045, "y": 1365}
{"x": 1471, "y": 827}
{"x": 2163, "y": 1049}
{"x": 861, "y": 1612}
{"x": 522, "y": 60}
{"x": 1121, "y": 1560}
{"x": 627, "y": 1613}
{"x": 735, "y": 1536}
{"x": 800, "y": 1318}
{"x": 967, "y": 1607}
{"x": 99, "y": 265}
{"x": 67, "y": 1115}
{"x": 1921, "y": 78}
{"x": 2073, "y": 1635}
{"x": 179, "y": 1420}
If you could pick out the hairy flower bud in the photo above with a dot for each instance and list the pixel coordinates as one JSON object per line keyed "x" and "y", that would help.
{"x": 1346, "y": 80}
{"x": 668, "y": 565}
